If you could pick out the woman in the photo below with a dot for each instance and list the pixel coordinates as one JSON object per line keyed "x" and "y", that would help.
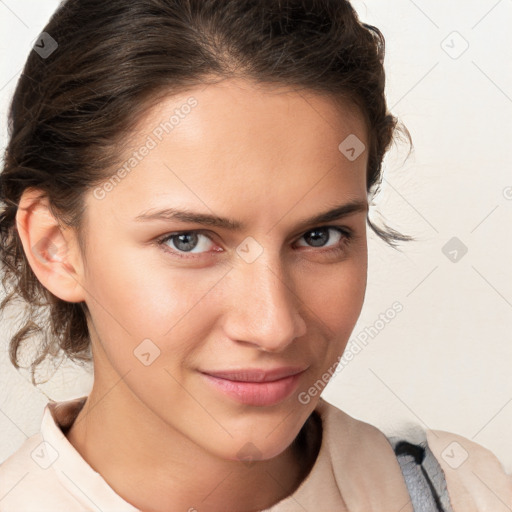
{"x": 186, "y": 185}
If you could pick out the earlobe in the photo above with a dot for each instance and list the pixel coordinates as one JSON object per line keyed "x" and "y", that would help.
{"x": 50, "y": 250}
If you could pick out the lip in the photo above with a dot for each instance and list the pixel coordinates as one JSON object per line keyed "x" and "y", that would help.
{"x": 258, "y": 387}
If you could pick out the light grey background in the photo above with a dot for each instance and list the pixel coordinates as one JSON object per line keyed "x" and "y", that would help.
{"x": 444, "y": 361}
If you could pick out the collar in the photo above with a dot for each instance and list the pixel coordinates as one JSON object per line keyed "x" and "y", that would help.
{"x": 74, "y": 473}
{"x": 356, "y": 468}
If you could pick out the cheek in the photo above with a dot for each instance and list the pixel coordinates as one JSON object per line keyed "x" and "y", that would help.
{"x": 335, "y": 299}
{"x": 132, "y": 300}
{"x": 336, "y": 294}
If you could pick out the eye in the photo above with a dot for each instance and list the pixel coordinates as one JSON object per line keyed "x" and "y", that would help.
{"x": 186, "y": 242}
{"x": 318, "y": 237}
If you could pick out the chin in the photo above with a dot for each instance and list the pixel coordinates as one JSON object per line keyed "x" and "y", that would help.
{"x": 251, "y": 448}
{"x": 250, "y": 452}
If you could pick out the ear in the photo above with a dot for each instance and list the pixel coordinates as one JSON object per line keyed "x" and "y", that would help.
{"x": 51, "y": 249}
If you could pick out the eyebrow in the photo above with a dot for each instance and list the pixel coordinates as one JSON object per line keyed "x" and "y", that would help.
{"x": 187, "y": 216}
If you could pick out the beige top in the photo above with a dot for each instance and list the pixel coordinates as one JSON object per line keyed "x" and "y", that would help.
{"x": 355, "y": 470}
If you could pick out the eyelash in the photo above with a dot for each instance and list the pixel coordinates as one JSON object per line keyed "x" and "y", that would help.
{"x": 347, "y": 237}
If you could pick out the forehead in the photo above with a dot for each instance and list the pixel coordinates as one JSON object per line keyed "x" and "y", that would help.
{"x": 236, "y": 110}
{"x": 231, "y": 142}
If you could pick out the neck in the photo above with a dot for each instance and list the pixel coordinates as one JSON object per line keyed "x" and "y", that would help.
{"x": 156, "y": 468}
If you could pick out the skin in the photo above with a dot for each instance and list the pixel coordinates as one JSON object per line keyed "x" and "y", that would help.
{"x": 161, "y": 437}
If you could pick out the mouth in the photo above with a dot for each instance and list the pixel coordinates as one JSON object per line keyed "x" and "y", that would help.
{"x": 256, "y": 387}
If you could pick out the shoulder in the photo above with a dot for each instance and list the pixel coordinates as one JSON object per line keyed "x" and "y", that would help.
{"x": 362, "y": 462}
{"x": 19, "y": 464}
{"x": 47, "y": 474}
{"x": 462, "y": 475}
{"x": 350, "y": 435}
{"x": 452, "y": 472}
{"x": 28, "y": 483}
{"x": 475, "y": 478}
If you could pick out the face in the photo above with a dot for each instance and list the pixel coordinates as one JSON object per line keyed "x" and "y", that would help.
{"x": 172, "y": 299}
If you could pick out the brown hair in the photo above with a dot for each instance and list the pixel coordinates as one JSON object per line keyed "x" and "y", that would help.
{"x": 74, "y": 108}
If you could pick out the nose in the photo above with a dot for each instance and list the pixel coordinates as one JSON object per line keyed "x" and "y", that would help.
{"x": 266, "y": 311}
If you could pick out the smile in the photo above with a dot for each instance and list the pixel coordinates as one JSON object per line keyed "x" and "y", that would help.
{"x": 260, "y": 393}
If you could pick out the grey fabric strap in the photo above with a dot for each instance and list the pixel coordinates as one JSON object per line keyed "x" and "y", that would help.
{"x": 423, "y": 476}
